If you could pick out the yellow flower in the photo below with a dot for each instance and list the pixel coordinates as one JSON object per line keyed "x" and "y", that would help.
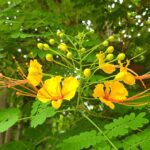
{"x": 56, "y": 91}
{"x": 34, "y": 73}
{"x": 110, "y": 92}
{"x": 106, "y": 67}
{"x": 124, "y": 75}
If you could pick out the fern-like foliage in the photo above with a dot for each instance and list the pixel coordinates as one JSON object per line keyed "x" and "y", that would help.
{"x": 117, "y": 128}
{"x": 123, "y": 125}
{"x": 40, "y": 111}
{"x": 141, "y": 139}
{"x": 83, "y": 140}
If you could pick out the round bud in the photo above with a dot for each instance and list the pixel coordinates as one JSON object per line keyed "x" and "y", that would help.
{"x": 52, "y": 41}
{"x": 111, "y": 38}
{"x": 110, "y": 49}
{"x": 83, "y": 50}
{"x": 63, "y": 47}
{"x": 46, "y": 47}
{"x": 105, "y": 43}
{"x": 49, "y": 57}
{"x": 142, "y": 58}
{"x": 87, "y": 72}
{"x": 69, "y": 55}
{"x": 109, "y": 57}
{"x": 40, "y": 45}
{"x": 121, "y": 56}
{"x": 129, "y": 14}
{"x": 59, "y": 33}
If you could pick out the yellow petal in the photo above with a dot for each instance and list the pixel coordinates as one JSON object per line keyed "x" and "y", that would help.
{"x": 56, "y": 104}
{"x": 118, "y": 91}
{"x": 108, "y": 103}
{"x": 100, "y": 57}
{"x": 53, "y": 87}
{"x": 98, "y": 91}
{"x": 43, "y": 95}
{"x": 120, "y": 76}
{"x": 129, "y": 79}
{"x": 108, "y": 68}
{"x": 35, "y": 73}
{"x": 70, "y": 86}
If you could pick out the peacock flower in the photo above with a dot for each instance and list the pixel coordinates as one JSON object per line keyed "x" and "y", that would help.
{"x": 110, "y": 92}
{"x": 124, "y": 75}
{"x": 56, "y": 91}
{"x": 34, "y": 73}
{"x": 106, "y": 67}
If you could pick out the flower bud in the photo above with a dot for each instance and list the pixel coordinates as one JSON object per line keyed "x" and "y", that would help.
{"x": 59, "y": 33}
{"x": 110, "y": 49}
{"x": 105, "y": 43}
{"x": 121, "y": 56}
{"x": 40, "y": 45}
{"x": 63, "y": 47}
{"x": 111, "y": 38}
{"x": 69, "y": 55}
{"x": 83, "y": 50}
{"x": 52, "y": 41}
{"x": 46, "y": 47}
{"x": 49, "y": 57}
{"x": 87, "y": 72}
{"x": 109, "y": 57}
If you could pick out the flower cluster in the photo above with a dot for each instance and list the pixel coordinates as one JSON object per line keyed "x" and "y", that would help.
{"x": 57, "y": 88}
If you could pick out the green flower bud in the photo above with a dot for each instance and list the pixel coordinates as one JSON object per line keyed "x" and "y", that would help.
{"x": 63, "y": 47}
{"x": 52, "y": 41}
{"x": 69, "y": 55}
{"x": 121, "y": 56}
{"x": 109, "y": 57}
{"x": 83, "y": 50}
{"x": 105, "y": 43}
{"x": 46, "y": 47}
{"x": 59, "y": 33}
{"x": 111, "y": 38}
{"x": 87, "y": 72}
{"x": 110, "y": 49}
{"x": 49, "y": 57}
{"x": 40, "y": 45}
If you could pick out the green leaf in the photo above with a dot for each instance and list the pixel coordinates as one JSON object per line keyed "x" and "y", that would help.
{"x": 3, "y": 55}
{"x": 141, "y": 139}
{"x": 40, "y": 111}
{"x": 8, "y": 117}
{"x": 78, "y": 142}
{"x": 123, "y": 125}
{"x": 12, "y": 146}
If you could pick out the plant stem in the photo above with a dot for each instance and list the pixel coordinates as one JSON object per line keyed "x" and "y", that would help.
{"x": 86, "y": 117}
{"x": 25, "y": 118}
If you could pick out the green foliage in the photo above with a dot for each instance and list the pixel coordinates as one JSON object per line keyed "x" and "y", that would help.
{"x": 142, "y": 140}
{"x": 40, "y": 112}
{"x": 8, "y": 117}
{"x": 20, "y": 146}
{"x": 77, "y": 142}
{"x": 118, "y": 128}
{"x": 123, "y": 125}
{"x": 23, "y": 23}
